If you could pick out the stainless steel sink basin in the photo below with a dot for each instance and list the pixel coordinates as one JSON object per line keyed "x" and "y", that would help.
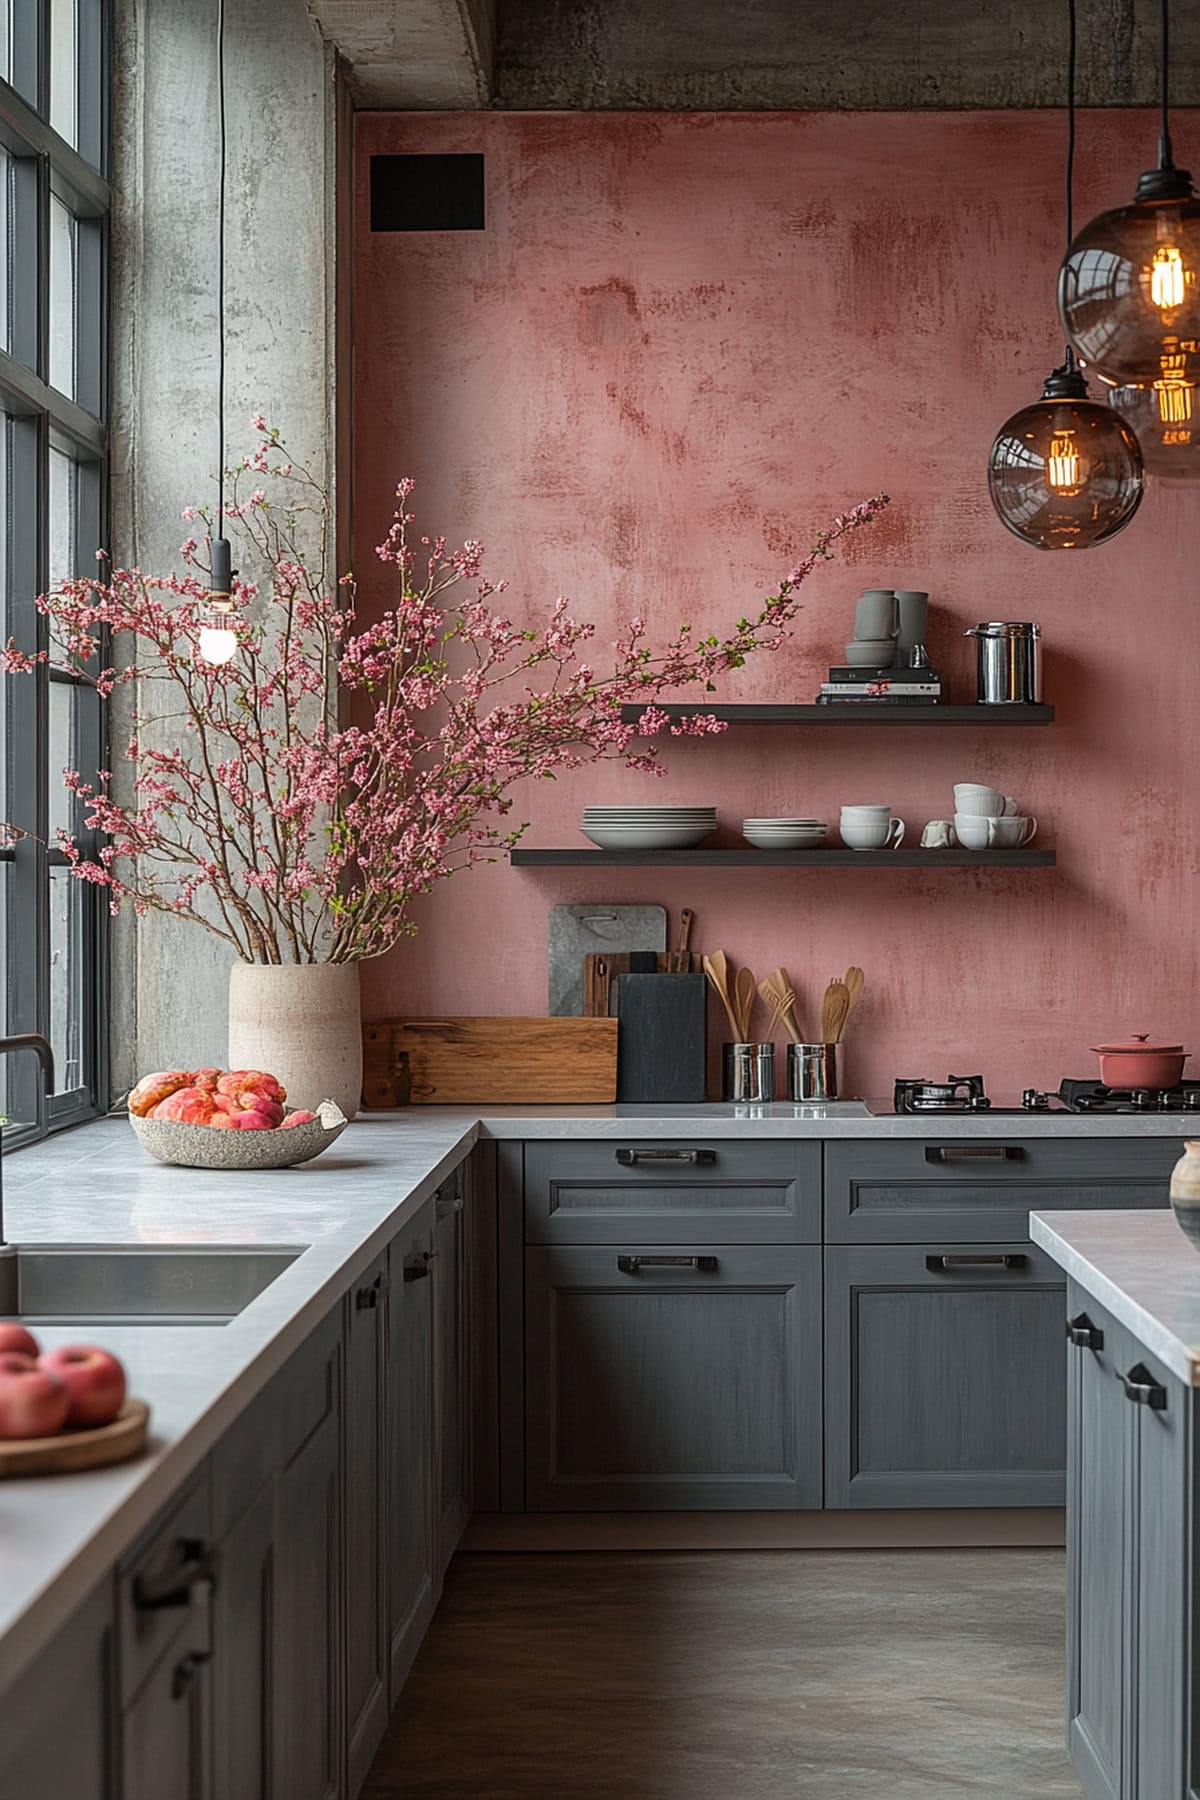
{"x": 130, "y": 1284}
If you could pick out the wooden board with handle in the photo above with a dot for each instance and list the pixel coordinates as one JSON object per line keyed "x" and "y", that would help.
{"x": 494, "y": 1062}
{"x": 601, "y": 970}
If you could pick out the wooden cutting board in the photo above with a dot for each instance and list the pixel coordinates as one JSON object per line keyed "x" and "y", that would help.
{"x": 497, "y": 1062}
{"x": 601, "y": 970}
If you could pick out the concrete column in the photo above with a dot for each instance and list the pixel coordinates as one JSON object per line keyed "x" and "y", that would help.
{"x": 169, "y": 978}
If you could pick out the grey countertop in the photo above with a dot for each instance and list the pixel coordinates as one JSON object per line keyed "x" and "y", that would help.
{"x": 94, "y": 1185}
{"x": 1141, "y": 1269}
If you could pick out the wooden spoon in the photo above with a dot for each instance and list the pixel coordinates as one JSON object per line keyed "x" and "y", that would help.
{"x": 746, "y": 992}
{"x": 834, "y": 1008}
{"x": 716, "y": 967}
{"x": 855, "y": 982}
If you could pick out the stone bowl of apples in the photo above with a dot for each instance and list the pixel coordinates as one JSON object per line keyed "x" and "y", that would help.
{"x": 227, "y": 1119}
{"x": 63, "y": 1409}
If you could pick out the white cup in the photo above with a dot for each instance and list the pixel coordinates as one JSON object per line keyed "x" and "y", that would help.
{"x": 864, "y": 812}
{"x": 878, "y": 832}
{"x": 978, "y": 833}
{"x": 984, "y": 802}
{"x": 938, "y": 835}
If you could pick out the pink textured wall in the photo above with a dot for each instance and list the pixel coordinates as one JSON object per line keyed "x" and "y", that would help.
{"x": 682, "y": 343}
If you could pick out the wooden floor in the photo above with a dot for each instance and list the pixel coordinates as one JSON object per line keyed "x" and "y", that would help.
{"x": 738, "y": 1676}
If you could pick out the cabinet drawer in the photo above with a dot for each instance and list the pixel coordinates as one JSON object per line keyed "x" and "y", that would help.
{"x": 673, "y": 1378}
{"x": 643, "y": 1192}
{"x": 944, "y": 1376}
{"x": 308, "y": 1386}
{"x": 144, "y": 1632}
{"x": 970, "y": 1190}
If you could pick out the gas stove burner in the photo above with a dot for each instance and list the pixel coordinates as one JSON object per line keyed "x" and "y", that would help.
{"x": 958, "y": 1093}
{"x": 1093, "y": 1096}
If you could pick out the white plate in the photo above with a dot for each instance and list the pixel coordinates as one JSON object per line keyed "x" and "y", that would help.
{"x": 789, "y": 824}
{"x": 756, "y": 831}
{"x": 634, "y": 814}
{"x": 682, "y": 838}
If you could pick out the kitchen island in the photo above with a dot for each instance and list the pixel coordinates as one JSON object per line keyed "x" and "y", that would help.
{"x": 347, "y": 1419}
{"x": 1133, "y": 1502}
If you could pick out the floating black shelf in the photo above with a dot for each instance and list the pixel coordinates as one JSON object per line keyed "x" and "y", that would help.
{"x": 856, "y": 713}
{"x": 836, "y": 858}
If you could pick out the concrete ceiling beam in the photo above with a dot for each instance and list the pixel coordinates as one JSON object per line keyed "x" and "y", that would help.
{"x": 411, "y": 54}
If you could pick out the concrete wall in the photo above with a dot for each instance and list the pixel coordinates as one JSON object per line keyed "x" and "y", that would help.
{"x": 169, "y": 982}
{"x": 768, "y": 54}
{"x": 682, "y": 343}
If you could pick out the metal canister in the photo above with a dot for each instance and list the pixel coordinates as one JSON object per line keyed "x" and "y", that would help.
{"x": 812, "y": 1072}
{"x": 1009, "y": 661}
{"x": 748, "y": 1072}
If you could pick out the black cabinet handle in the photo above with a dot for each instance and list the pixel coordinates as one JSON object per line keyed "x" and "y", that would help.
{"x": 1008, "y": 1259}
{"x": 1081, "y": 1331}
{"x": 184, "y": 1673}
{"x": 367, "y": 1298}
{"x": 193, "y": 1561}
{"x": 1141, "y": 1387}
{"x": 944, "y": 1153}
{"x": 417, "y": 1271}
{"x": 631, "y": 1265}
{"x": 629, "y": 1157}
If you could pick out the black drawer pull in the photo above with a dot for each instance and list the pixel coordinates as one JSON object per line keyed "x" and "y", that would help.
{"x": 1141, "y": 1387}
{"x": 944, "y": 1153}
{"x": 367, "y": 1298}
{"x": 184, "y": 1673}
{"x": 417, "y": 1271}
{"x": 192, "y": 1562}
{"x": 631, "y": 1265}
{"x": 1009, "y": 1259}
{"x": 628, "y": 1158}
{"x": 1081, "y": 1331}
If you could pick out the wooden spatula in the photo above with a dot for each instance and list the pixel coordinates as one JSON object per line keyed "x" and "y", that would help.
{"x": 855, "y": 982}
{"x": 680, "y": 961}
{"x": 716, "y": 967}
{"x": 745, "y": 993}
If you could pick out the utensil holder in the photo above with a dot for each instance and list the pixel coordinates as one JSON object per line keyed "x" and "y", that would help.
{"x": 812, "y": 1071}
{"x": 748, "y": 1072}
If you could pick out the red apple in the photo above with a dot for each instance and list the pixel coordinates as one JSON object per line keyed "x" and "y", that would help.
{"x": 33, "y": 1401}
{"x": 243, "y": 1082}
{"x": 300, "y": 1118}
{"x": 15, "y": 1337}
{"x": 187, "y": 1106}
{"x": 94, "y": 1381}
{"x": 153, "y": 1088}
{"x": 253, "y": 1120}
{"x": 206, "y": 1079}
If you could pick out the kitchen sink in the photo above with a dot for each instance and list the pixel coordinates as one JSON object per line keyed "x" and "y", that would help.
{"x": 132, "y": 1284}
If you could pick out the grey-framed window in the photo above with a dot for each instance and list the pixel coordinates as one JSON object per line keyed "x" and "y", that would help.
{"x": 54, "y": 212}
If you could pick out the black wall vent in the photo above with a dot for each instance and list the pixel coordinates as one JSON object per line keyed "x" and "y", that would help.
{"x": 427, "y": 193}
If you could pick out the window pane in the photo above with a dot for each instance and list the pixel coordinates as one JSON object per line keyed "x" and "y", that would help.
{"x": 6, "y": 247}
{"x": 63, "y": 249}
{"x": 66, "y": 979}
{"x": 64, "y": 63}
{"x": 63, "y": 754}
{"x": 63, "y": 548}
{"x": 5, "y": 60}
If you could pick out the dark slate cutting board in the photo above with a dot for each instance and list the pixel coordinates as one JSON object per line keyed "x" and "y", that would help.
{"x": 661, "y": 1049}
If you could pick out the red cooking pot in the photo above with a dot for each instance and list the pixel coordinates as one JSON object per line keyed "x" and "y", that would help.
{"x": 1137, "y": 1063}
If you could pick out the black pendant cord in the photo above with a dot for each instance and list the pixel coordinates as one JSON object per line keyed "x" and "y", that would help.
{"x": 221, "y": 272}
{"x": 1072, "y": 45}
{"x": 1165, "y": 158}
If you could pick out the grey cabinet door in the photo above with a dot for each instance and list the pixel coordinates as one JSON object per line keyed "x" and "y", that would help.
{"x": 1098, "y": 1429}
{"x": 676, "y": 1377}
{"x": 56, "y": 1719}
{"x": 364, "y": 1503}
{"x": 1160, "y": 1537}
{"x": 244, "y": 1646}
{"x": 412, "y": 1587}
{"x": 974, "y": 1191}
{"x": 166, "y": 1729}
{"x": 717, "y": 1190}
{"x": 308, "y": 1733}
{"x": 451, "y": 1369}
{"x": 944, "y": 1377}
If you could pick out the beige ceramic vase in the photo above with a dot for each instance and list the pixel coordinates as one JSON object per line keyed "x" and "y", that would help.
{"x": 1185, "y": 1191}
{"x": 303, "y": 1023}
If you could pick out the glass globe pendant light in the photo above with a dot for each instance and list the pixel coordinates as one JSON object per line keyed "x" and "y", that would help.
{"x": 217, "y": 642}
{"x": 1129, "y": 286}
{"x": 1166, "y": 422}
{"x": 1066, "y": 472}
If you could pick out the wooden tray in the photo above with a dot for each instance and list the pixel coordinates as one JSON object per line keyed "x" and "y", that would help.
{"x": 491, "y": 1062}
{"x": 69, "y": 1451}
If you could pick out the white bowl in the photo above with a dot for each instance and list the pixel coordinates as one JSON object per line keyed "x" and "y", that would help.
{"x": 658, "y": 837}
{"x": 784, "y": 840}
{"x": 791, "y": 824}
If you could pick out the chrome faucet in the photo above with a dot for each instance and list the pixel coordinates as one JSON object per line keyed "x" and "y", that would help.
{"x": 27, "y": 1040}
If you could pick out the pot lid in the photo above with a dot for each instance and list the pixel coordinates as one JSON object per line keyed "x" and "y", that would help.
{"x": 1138, "y": 1045}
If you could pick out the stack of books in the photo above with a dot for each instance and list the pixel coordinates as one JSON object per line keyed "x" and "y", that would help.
{"x": 881, "y": 687}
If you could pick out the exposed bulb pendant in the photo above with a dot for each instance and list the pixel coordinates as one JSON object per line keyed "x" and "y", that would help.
{"x": 1066, "y": 472}
{"x": 1128, "y": 289}
{"x": 217, "y": 641}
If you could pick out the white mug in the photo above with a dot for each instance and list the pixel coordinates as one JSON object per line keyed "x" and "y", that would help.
{"x": 864, "y": 812}
{"x": 877, "y": 833}
{"x": 976, "y": 833}
{"x": 984, "y": 802}
{"x": 938, "y": 835}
